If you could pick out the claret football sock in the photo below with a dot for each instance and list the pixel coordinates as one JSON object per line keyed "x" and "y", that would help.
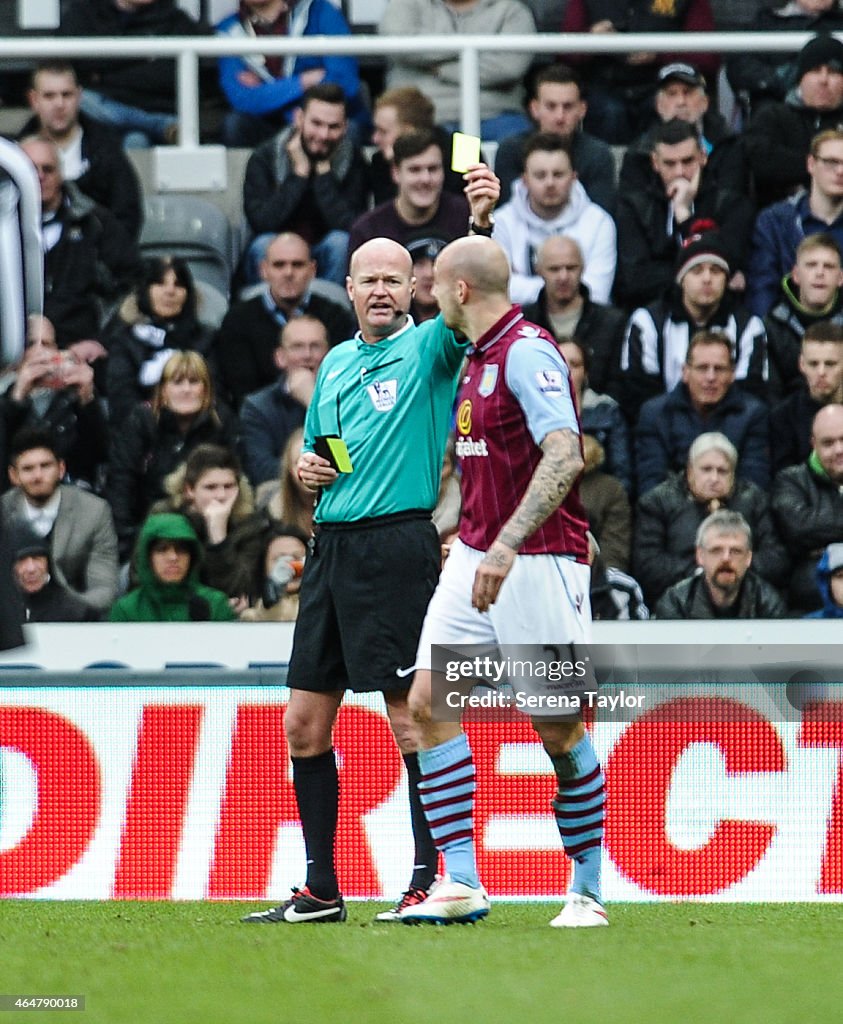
{"x": 447, "y": 795}
{"x": 578, "y": 806}
{"x": 316, "y": 783}
{"x": 426, "y": 857}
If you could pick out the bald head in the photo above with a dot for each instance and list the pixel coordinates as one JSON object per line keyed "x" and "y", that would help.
{"x": 44, "y": 155}
{"x": 559, "y": 248}
{"x": 480, "y": 262}
{"x": 827, "y": 440}
{"x": 471, "y": 284}
{"x": 560, "y": 264}
{"x": 376, "y": 250}
{"x": 380, "y": 285}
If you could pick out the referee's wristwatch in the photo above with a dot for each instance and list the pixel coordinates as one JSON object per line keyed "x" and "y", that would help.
{"x": 476, "y": 229}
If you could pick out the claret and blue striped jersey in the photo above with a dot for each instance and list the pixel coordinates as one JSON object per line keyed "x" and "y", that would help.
{"x": 516, "y": 390}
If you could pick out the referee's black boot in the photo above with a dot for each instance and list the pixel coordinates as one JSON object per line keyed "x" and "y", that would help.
{"x": 301, "y": 908}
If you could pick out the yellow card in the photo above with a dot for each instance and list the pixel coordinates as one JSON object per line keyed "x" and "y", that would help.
{"x": 466, "y": 152}
{"x": 340, "y": 456}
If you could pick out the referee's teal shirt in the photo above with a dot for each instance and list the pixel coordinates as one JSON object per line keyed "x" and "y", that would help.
{"x": 391, "y": 403}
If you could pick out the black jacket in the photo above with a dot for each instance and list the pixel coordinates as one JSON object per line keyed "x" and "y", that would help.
{"x": 791, "y": 421}
{"x": 666, "y": 526}
{"x": 54, "y": 603}
{"x": 11, "y": 605}
{"x": 777, "y": 143}
{"x": 248, "y": 336}
{"x": 647, "y": 253}
{"x": 148, "y": 83}
{"x": 690, "y": 600}
{"x": 725, "y": 166}
{"x": 144, "y": 450}
{"x": 600, "y": 328}
{"x": 808, "y": 508}
{"x": 110, "y": 178}
{"x": 93, "y": 260}
{"x": 275, "y": 199}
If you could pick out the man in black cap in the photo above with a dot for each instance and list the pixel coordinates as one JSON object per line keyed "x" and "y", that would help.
{"x": 424, "y": 251}
{"x": 779, "y": 137}
{"x": 43, "y": 598}
{"x": 681, "y": 95}
{"x": 657, "y": 336}
{"x": 654, "y": 219}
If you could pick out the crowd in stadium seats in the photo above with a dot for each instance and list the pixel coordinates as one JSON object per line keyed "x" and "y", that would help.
{"x": 151, "y": 426}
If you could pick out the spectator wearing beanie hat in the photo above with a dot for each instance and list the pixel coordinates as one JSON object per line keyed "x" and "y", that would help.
{"x": 41, "y": 597}
{"x": 778, "y": 139}
{"x": 657, "y": 336}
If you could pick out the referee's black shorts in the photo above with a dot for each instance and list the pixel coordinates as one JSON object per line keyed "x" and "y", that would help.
{"x": 364, "y": 593}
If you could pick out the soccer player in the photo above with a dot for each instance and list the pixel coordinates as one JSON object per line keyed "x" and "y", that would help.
{"x": 387, "y": 395}
{"x": 518, "y": 574}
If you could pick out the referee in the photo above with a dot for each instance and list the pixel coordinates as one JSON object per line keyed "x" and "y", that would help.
{"x": 382, "y": 406}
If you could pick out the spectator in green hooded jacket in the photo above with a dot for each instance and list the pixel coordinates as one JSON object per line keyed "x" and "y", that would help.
{"x": 167, "y": 558}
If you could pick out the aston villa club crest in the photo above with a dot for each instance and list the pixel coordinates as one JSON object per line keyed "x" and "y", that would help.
{"x": 488, "y": 380}
{"x": 383, "y": 394}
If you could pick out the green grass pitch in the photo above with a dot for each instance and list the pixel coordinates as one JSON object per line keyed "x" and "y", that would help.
{"x": 194, "y": 963}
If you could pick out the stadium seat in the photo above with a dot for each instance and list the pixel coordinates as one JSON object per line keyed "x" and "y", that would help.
{"x": 213, "y": 305}
{"x": 196, "y": 230}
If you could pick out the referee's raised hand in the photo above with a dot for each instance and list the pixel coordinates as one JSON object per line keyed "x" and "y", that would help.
{"x": 482, "y": 190}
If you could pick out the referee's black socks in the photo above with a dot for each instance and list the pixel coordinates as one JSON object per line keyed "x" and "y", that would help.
{"x": 316, "y": 783}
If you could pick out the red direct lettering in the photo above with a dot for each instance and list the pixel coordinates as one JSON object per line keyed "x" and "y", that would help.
{"x": 638, "y": 783}
{"x": 69, "y": 797}
{"x": 259, "y": 798}
{"x": 157, "y": 802}
{"x": 822, "y": 726}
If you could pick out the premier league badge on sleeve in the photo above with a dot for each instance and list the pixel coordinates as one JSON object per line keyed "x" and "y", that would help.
{"x": 549, "y": 382}
{"x": 488, "y": 380}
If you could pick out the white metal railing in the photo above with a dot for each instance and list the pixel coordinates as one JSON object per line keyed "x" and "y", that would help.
{"x": 187, "y": 50}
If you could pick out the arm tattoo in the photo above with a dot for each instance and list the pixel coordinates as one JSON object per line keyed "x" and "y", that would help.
{"x": 560, "y": 465}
